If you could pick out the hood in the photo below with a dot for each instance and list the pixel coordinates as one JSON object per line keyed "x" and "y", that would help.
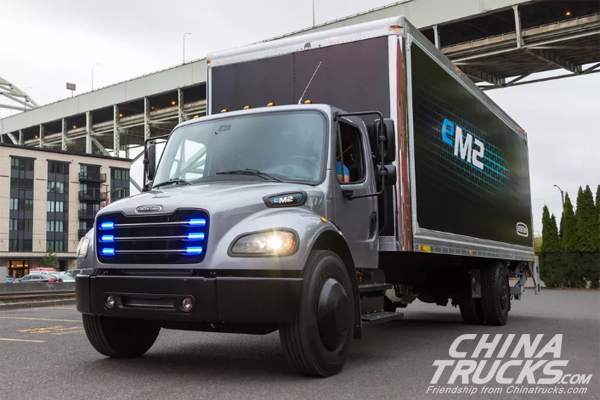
{"x": 214, "y": 197}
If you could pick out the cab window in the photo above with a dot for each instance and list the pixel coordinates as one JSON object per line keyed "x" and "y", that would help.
{"x": 349, "y": 162}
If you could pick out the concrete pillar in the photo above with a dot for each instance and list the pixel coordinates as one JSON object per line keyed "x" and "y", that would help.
{"x": 518, "y": 26}
{"x": 63, "y": 136}
{"x": 88, "y": 132}
{"x": 146, "y": 118}
{"x": 21, "y": 138}
{"x": 436, "y": 36}
{"x": 179, "y": 105}
{"x": 41, "y": 135}
{"x": 116, "y": 131}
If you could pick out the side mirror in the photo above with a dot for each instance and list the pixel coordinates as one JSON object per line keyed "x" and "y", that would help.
{"x": 388, "y": 135}
{"x": 388, "y": 171}
{"x": 149, "y": 163}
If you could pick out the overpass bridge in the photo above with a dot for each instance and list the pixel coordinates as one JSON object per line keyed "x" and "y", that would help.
{"x": 499, "y": 43}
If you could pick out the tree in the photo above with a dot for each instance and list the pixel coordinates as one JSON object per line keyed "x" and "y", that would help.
{"x": 568, "y": 223}
{"x": 598, "y": 216}
{"x": 587, "y": 221}
{"x": 50, "y": 260}
{"x": 551, "y": 267}
{"x": 550, "y": 241}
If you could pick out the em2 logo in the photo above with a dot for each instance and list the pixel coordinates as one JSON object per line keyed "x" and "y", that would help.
{"x": 470, "y": 149}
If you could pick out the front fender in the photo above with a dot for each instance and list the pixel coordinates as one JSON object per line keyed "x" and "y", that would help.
{"x": 308, "y": 226}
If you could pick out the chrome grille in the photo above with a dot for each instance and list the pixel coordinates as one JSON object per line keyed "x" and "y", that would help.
{"x": 177, "y": 238}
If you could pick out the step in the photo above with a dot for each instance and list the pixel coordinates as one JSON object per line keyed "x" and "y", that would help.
{"x": 373, "y": 287}
{"x": 381, "y": 317}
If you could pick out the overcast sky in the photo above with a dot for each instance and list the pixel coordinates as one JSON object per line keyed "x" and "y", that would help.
{"x": 47, "y": 43}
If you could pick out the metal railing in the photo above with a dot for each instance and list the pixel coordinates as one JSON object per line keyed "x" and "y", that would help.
{"x": 92, "y": 177}
{"x": 93, "y": 194}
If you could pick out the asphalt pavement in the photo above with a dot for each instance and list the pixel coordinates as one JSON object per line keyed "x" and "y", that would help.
{"x": 44, "y": 354}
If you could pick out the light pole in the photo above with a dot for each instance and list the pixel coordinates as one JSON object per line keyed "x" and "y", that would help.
{"x": 187, "y": 33}
{"x": 93, "y": 65}
{"x": 562, "y": 195}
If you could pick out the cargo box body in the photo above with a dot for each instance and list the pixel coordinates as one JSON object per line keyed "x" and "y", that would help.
{"x": 463, "y": 173}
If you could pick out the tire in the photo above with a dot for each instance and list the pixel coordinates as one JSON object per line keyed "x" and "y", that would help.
{"x": 120, "y": 337}
{"x": 317, "y": 341}
{"x": 471, "y": 311}
{"x": 495, "y": 294}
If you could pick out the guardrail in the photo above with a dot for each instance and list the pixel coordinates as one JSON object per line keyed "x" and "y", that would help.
{"x": 17, "y": 297}
{"x": 29, "y": 287}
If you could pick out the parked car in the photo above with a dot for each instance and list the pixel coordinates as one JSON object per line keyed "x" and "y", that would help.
{"x": 63, "y": 277}
{"x": 73, "y": 272}
{"x": 38, "y": 277}
{"x": 10, "y": 279}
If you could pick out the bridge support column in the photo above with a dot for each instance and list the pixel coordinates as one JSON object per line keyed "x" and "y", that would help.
{"x": 436, "y": 37}
{"x": 116, "y": 131}
{"x": 88, "y": 132}
{"x": 146, "y": 118}
{"x": 63, "y": 135}
{"x": 21, "y": 138}
{"x": 518, "y": 26}
{"x": 41, "y": 135}
{"x": 179, "y": 105}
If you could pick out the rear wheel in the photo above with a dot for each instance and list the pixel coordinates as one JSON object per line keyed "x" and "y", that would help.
{"x": 317, "y": 341}
{"x": 495, "y": 294}
{"x": 120, "y": 337}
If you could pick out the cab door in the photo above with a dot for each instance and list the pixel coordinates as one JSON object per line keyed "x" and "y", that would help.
{"x": 354, "y": 176}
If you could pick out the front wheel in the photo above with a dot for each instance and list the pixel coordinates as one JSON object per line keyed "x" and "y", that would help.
{"x": 120, "y": 337}
{"x": 317, "y": 341}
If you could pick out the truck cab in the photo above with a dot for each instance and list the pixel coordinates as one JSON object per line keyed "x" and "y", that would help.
{"x": 245, "y": 212}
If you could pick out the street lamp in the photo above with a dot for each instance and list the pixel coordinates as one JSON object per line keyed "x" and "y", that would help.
{"x": 93, "y": 65}
{"x": 562, "y": 195}
{"x": 187, "y": 33}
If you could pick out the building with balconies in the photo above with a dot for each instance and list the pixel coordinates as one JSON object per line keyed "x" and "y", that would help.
{"x": 51, "y": 202}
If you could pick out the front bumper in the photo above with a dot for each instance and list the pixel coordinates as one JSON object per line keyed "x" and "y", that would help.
{"x": 237, "y": 300}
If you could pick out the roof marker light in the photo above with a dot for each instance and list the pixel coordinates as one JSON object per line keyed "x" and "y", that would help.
{"x": 197, "y": 222}
{"x": 196, "y": 236}
{"x": 224, "y": 110}
{"x": 246, "y": 107}
{"x": 270, "y": 104}
{"x": 107, "y": 225}
{"x": 193, "y": 250}
{"x": 308, "y": 102}
{"x": 107, "y": 251}
{"x": 107, "y": 238}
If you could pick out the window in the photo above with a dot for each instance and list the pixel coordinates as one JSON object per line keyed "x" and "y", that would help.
{"x": 28, "y": 226}
{"x": 28, "y": 204}
{"x": 14, "y": 203}
{"x": 13, "y": 224}
{"x": 12, "y": 245}
{"x": 349, "y": 163}
{"x": 56, "y": 187}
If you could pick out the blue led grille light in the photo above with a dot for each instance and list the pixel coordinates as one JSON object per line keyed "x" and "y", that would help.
{"x": 193, "y": 250}
{"x": 196, "y": 236}
{"x": 107, "y": 225}
{"x": 107, "y": 251}
{"x": 197, "y": 222}
{"x": 107, "y": 238}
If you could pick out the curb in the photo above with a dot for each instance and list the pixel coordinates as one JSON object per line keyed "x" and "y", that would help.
{"x": 36, "y": 304}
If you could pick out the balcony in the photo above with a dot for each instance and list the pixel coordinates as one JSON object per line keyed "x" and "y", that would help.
{"x": 87, "y": 214}
{"x": 92, "y": 195}
{"x": 92, "y": 177}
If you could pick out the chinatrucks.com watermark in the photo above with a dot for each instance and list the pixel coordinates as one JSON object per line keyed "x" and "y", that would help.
{"x": 506, "y": 364}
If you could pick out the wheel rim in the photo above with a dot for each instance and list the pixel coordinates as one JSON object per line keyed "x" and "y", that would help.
{"x": 503, "y": 293}
{"x": 333, "y": 314}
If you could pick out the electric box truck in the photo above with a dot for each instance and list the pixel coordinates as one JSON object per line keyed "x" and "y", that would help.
{"x": 337, "y": 177}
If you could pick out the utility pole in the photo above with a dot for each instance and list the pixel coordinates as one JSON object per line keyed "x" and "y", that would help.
{"x": 562, "y": 195}
{"x": 187, "y": 33}
{"x": 313, "y": 12}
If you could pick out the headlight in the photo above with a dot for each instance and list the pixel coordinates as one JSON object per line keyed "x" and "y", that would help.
{"x": 265, "y": 243}
{"x": 82, "y": 247}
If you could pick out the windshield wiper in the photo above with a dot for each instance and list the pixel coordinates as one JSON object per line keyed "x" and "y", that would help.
{"x": 249, "y": 171}
{"x": 173, "y": 181}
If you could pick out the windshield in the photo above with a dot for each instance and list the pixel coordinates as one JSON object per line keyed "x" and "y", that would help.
{"x": 288, "y": 146}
